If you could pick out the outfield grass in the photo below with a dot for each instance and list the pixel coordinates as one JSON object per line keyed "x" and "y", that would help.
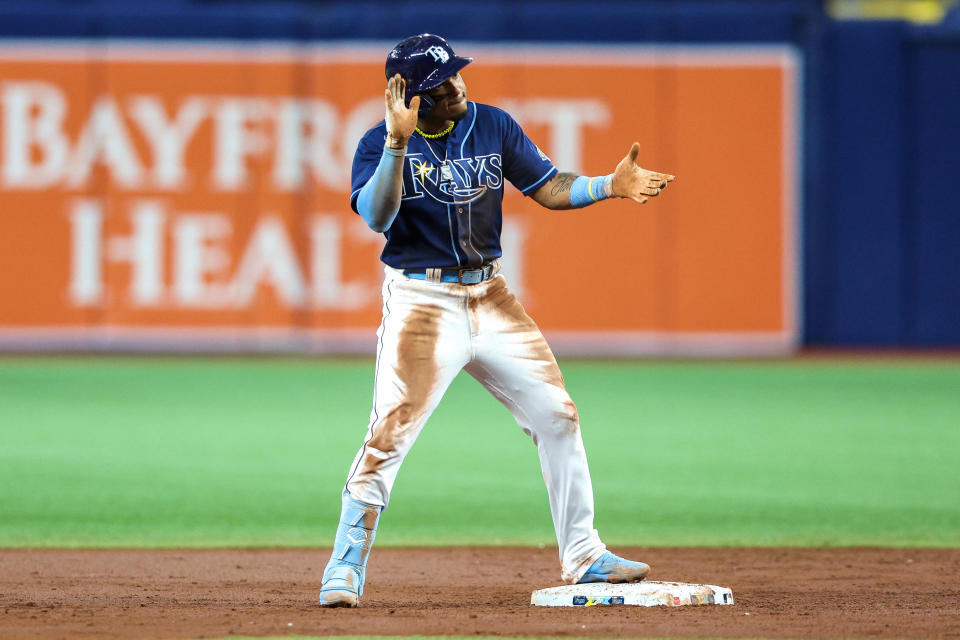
{"x": 206, "y": 452}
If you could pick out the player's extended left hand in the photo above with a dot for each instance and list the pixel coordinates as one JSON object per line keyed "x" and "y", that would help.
{"x": 631, "y": 181}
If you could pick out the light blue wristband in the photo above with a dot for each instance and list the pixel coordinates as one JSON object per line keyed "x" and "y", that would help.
{"x": 585, "y": 191}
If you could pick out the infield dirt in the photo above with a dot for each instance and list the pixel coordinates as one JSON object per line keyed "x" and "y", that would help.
{"x": 780, "y": 593}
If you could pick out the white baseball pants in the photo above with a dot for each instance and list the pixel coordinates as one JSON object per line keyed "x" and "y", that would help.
{"x": 432, "y": 330}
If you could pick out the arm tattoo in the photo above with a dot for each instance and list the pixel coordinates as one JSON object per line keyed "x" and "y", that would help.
{"x": 562, "y": 182}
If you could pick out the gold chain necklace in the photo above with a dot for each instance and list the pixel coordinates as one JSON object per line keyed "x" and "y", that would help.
{"x": 431, "y": 136}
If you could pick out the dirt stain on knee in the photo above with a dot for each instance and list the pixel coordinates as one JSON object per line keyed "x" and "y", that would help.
{"x": 570, "y": 414}
{"x": 417, "y": 371}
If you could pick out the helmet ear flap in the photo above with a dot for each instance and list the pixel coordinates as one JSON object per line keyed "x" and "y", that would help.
{"x": 427, "y": 105}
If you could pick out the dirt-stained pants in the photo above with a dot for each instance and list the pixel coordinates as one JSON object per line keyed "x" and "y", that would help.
{"x": 432, "y": 330}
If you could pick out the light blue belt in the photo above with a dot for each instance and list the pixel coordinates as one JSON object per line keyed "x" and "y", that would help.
{"x": 460, "y": 276}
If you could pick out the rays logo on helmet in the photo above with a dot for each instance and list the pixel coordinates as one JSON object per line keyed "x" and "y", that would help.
{"x": 438, "y": 53}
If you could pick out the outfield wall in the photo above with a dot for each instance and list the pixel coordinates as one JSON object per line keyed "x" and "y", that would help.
{"x": 181, "y": 195}
{"x": 175, "y": 176}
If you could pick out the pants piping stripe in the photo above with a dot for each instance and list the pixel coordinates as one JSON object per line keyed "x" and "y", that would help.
{"x": 376, "y": 375}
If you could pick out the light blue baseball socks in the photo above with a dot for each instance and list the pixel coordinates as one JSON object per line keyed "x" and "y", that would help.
{"x": 345, "y": 573}
{"x": 611, "y": 568}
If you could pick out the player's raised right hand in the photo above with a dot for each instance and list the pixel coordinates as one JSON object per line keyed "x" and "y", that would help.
{"x": 401, "y": 120}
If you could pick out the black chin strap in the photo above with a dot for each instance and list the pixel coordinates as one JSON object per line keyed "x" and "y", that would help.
{"x": 427, "y": 105}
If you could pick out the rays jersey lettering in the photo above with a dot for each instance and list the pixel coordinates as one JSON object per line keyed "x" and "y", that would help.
{"x": 451, "y": 206}
{"x": 457, "y": 181}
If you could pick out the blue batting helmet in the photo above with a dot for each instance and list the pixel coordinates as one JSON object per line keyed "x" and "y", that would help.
{"x": 424, "y": 61}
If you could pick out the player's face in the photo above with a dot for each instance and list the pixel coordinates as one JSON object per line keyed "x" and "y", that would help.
{"x": 451, "y": 98}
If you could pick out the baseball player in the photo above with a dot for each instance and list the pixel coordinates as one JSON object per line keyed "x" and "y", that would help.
{"x": 431, "y": 177}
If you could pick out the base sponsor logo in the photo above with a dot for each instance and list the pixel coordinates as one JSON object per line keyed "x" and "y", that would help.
{"x": 584, "y": 601}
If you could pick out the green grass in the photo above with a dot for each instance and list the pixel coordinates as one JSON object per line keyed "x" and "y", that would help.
{"x": 206, "y": 452}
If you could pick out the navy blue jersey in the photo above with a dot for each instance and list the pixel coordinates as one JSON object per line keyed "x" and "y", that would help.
{"x": 451, "y": 210}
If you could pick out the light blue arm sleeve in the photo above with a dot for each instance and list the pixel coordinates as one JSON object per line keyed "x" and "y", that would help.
{"x": 586, "y": 190}
{"x": 374, "y": 202}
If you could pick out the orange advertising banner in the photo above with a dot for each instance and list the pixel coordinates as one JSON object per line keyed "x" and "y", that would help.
{"x": 194, "y": 196}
